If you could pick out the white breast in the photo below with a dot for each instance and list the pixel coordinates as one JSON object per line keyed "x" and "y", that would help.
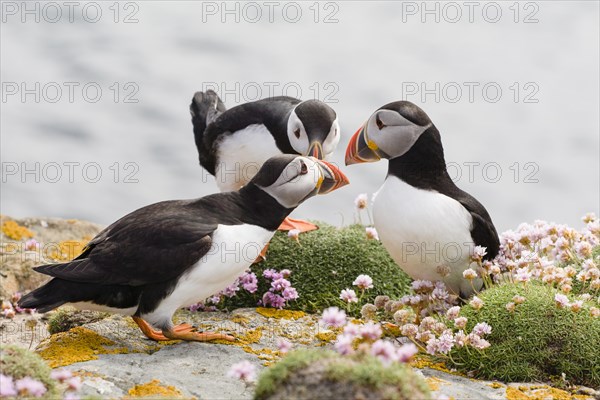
{"x": 423, "y": 230}
{"x": 241, "y": 155}
{"x": 234, "y": 248}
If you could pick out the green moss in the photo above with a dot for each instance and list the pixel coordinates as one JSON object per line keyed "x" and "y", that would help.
{"x": 63, "y": 320}
{"x": 323, "y": 263}
{"x": 536, "y": 342}
{"x": 19, "y": 363}
{"x": 310, "y": 373}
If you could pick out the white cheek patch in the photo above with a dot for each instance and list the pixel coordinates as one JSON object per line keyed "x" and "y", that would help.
{"x": 398, "y": 136}
{"x": 300, "y": 144}
{"x": 333, "y": 138}
{"x": 291, "y": 187}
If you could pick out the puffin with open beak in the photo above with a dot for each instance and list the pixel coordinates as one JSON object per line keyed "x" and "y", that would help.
{"x": 233, "y": 144}
{"x": 428, "y": 225}
{"x": 173, "y": 254}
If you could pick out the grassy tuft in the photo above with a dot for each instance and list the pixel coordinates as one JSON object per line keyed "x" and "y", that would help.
{"x": 537, "y": 342}
{"x": 19, "y": 363}
{"x": 323, "y": 263}
{"x": 311, "y": 373}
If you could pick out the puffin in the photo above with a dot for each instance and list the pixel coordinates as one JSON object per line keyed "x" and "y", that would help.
{"x": 233, "y": 144}
{"x": 429, "y": 226}
{"x": 175, "y": 253}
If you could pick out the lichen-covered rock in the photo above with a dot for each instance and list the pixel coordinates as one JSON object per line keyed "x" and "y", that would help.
{"x": 309, "y": 374}
{"x": 323, "y": 263}
{"x": 538, "y": 341}
{"x": 19, "y": 363}
{"x": 66, "y": 318}
{"x": 28, "y": 242}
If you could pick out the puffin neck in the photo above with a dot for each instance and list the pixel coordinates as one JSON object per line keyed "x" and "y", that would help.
{"x": 424, "y": 164}
{"x": 262, "y": 209}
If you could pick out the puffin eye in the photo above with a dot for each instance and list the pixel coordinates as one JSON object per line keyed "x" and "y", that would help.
{"x": 303, "y": 168}
{"x": 380, "y": 124}
{"x": 297, "y": 133}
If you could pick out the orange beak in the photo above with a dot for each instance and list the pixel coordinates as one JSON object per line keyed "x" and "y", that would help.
{"x": 360, "y": 150}
{"x": 316, "y": 150}
{"x": 333, "y": 178}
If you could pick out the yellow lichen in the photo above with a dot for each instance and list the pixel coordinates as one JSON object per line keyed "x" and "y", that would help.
{"x": 68, "y": 249}
{"x": 275, "y": 313}
{"x": 326, "y": 336}
{"x": 154, "y": 389}
{"x": 435, "y": 382}
{"x": 240, "y": 319}
{"x": 512, "y": 393}
{"x": 540, "y": 392}
{"x": 496, "y": 385}
{"x": 77, "y": 345}
{"x": 251, "y": 336}
{"x": 15, "y": 231}
{"x": 423, "y": 361}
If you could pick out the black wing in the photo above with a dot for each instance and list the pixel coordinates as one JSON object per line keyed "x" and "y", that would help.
{"x": 153, "y": 244}
{"x": 483, "y": 230}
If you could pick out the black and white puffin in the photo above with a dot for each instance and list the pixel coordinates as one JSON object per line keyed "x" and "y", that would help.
{"x": 233, "y": 144}
{"x": 427, "y": 224}
{"x": 173, "y": 254}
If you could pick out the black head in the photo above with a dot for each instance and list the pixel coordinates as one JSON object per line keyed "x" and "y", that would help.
{"x": 395, "y": 130}
{"x": 313, "y": 129}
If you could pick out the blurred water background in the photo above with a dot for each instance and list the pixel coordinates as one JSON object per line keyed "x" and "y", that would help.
{"x": 541, "y": 133}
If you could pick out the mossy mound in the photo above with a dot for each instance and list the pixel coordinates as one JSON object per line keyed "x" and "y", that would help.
{"x": 536, "y": 342}
{"x": 323, "y": 263}
{"x": 65, "y": 319}
{"x": 324, "y": 374}
{"x": 18, "y": 363}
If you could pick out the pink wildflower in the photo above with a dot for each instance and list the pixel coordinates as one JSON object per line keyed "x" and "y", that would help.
{"x": 349, "y": 296}
{"x": 363, "y": 282}
{"x": 243, "y": 370}
{"x": 333, "y": 317}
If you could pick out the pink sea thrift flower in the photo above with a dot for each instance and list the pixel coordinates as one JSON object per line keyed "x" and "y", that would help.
{"x": 74, "y": 383}
{"x": 460, "y": 322}
{"x": 476, "y": 303}
{"x": 249, "y": 282}
{"x": 371, "y": 233}
{"x": 284, "y": 346}
{"x": 61, "y": 375}
{"x": 349, "y": 296}
{"x": 343, "y": 344}
{"x": 30, "y": 386}
{"x": 31, "y": 245}
{"x": 452, "y": 312}
{"x": 406, "y": 352}
{"x": 361, "y": 202}
{"x": 294, "y": 233}
{"x": 385, "y": 351}
{"x": 479, "y": 252}
{"x": 561, "y": 300}
{"x": 333, "y": 317}
{"x": 371, "y": 331}
{"x": 289, "y": 293}
{"x": 7, "y": 387}
{"x": 280, "y": 284}
{"x": 363, "y": 282}
{"x": 482, "y": 329}
{"x": 243, "y": 370}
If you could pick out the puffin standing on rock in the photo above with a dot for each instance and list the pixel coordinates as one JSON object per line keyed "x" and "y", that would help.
{"x": 233, "y": 144}
{"x": 172, "y": 254}
{"x": 427, "y": 224}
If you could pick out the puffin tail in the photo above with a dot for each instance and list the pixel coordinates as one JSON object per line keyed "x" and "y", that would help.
{"x": 205, "y": 108}
{"x": 45, "y": 298}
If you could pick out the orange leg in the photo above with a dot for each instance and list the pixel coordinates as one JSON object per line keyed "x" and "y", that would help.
{"x": 197, "y": 336}
{"x": 289, "y": 224}
{"x": 263, "y": 255}
{"x": 157, "y": 335}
